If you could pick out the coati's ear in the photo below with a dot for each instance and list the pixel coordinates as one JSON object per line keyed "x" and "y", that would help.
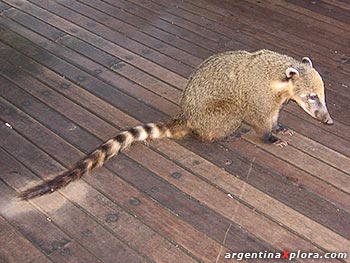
{"x": 307, "y": 60}
{"x": 291, "y": 72}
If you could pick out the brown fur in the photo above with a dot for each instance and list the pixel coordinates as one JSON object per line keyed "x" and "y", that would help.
{"x": 225, "y": 90}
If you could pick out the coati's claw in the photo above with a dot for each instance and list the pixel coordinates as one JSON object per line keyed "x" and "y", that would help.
{"x": 280, "y": 143}
{"x": 287, "y": 131}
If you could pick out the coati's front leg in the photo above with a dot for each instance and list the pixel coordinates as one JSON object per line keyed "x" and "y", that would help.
{"x": 265, "y": 126}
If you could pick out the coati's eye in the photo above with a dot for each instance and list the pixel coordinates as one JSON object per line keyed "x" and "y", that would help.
{"x": 312, "y": 97}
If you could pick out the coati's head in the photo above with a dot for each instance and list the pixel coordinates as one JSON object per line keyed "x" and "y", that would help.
{"x": 308, "y": 90}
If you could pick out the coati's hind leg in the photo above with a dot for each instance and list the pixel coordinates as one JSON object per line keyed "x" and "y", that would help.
{"x": 220, "y": 134}
{"x": 210, "y": 131}
{"x": 216, "y": 121}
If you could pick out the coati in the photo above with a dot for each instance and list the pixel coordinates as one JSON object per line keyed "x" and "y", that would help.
{"x": 225, "y": 90}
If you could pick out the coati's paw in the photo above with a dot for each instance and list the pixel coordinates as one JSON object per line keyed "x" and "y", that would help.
{"x": 283, "y": 130}
{"x": 271, "y": 139}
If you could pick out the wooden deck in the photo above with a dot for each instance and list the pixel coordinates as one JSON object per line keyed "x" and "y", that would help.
{"x": 72, "y": 73}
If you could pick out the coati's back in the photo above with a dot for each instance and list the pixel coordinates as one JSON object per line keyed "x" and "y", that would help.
{"x": 237, "y": 76}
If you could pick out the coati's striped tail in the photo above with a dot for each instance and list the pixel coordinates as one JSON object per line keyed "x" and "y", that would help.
{"x": 173, "y": 129}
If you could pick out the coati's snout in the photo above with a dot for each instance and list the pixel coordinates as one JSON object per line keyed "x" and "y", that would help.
{"x": 312, "y": 104}
{"x": 308, "y": 91}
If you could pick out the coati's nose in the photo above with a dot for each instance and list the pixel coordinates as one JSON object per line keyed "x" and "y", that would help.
{"x": 324, "y": 117}
{"x": 329, "y": 121}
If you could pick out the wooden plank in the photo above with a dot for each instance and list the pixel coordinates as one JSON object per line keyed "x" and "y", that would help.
{"x": 48, "y": 96}
{"x": 33, "y": 225}
{"x": 313, "y": 166}
{"x": 15, "y": 248}
{"x": 138, "y": 76}
{"x": 325, "y": 9}
{"x": 207, "y": 221}
{"x": 181, "y": 39}
{"x": 314, "y": 34}
{"x": 4, "y": 7}
{"x": 339, "y": 4}
{"x": 297, "y": 177}
{"x": 111, "y": 21}
{"x": 316, "y": 42}
{"x": 246, "y": 24}
{"x": 110, "y": 62}
{"x": 311, "y": 128}
{"x": 320, "y": 152}
{"x": 63, "y": 126}
{"x": 59, "y": 11}
{"x": 215, "y": 199}
{"x": 92, "y": 84}
{"x": 236, "y": 37}
{"x": 177, "y": 24}
{"x": 87, "y": 232}
{"x": 102, "y": 73}
{"x": 320, "y": 18}
{"x": 112, "y": 49}
{"x": 74, "y": 92}
{"x": 273, "y": 184}
{"x": 146, "y": 240}
{"x": 150, "y": 83}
